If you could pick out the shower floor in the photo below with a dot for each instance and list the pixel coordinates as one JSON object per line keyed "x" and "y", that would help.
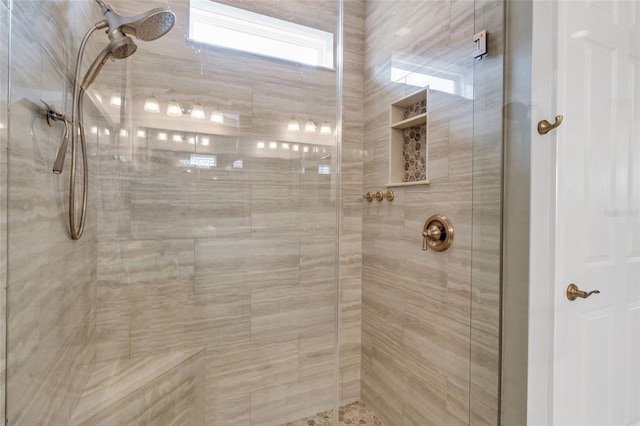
{"x": 356, "y": 413}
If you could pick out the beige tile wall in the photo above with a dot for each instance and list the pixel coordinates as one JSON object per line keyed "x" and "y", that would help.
{"x": 351, "y": 187}
{"x": 429, "y": 352}
{"x": 167, "y": 237}
{"x": 240, "y": 261}
{"x": 487, "y": 217}
{"x": 51, "y": 295}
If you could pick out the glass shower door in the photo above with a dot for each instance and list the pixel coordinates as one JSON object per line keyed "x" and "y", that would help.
{"x": 205, "y": 286}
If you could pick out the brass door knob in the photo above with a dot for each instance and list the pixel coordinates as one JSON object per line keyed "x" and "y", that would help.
{"x": 573, "y": 292}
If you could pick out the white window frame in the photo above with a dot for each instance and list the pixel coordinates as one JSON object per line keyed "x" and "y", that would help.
{"x": 228, "y": 27}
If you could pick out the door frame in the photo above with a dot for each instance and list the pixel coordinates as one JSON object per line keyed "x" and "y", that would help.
{"x": 542, "y": 264}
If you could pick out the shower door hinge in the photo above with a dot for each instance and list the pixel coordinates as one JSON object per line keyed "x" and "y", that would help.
{"x": 480, "y": 39}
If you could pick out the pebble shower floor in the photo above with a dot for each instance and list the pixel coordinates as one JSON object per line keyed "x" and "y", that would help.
{"x": 355, "y": 413}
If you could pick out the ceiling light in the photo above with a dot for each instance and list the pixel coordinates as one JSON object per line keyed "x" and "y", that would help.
{"x": 174, "y": 109}
{"x": 310, "y": 127}
{"x": 325, "y": 128}
{"x": 205, "y": 141}
{"x": 141, "y": 133}
{"x": 293, "y": 125}
{"x": 197, "y": 112}
{"x": 217, "y": 117}
{"x": 152, "y": 105}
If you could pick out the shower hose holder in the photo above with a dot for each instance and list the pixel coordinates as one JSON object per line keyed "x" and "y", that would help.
{"x": 53, "y": 115}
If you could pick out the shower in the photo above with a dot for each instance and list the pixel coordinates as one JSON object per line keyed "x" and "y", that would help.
{"x": 146, "y": 26}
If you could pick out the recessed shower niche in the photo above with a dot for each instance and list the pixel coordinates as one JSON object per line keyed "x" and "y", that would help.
{"x": 408, "y": 140}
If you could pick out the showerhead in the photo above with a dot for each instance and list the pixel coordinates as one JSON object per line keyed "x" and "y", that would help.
{"x": 146, "y": 26}
{"x": 151, "y": 25}
{"x": 120, "y": 46}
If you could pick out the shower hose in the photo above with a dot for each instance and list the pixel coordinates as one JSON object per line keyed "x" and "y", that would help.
{"x": 76, "y": 226}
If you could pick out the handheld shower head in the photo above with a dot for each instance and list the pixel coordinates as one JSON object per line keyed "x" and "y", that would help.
{"x": 146, "y": 26}
{"x": 119, "y": 47}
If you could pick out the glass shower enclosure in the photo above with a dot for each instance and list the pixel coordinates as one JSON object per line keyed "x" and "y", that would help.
{"x": 205, "y": 285}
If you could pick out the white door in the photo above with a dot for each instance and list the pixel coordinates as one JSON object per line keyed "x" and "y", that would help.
{"x": 596, "y": 345}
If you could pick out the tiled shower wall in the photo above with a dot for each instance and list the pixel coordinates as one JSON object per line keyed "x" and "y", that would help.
{"x": 51, "y": 279}
{"x": 164, "y": 267}
{"x": 238, "y": 259}
{"x": 430, "y": 325}
{"x": 351, "y": 208}
{"x": 423, "y": 321}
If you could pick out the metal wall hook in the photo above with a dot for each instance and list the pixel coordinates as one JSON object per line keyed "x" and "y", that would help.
{"x": 379, "y": 195}
{"x": 545, "y": 127}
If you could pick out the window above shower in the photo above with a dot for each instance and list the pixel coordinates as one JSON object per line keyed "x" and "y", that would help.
{"x": 228, "y": 27}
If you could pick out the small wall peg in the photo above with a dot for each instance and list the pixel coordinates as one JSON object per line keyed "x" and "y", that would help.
{"x": 368, "y": 196}
{"x": 389, "y": 195}
{"x": 379, "y": 196}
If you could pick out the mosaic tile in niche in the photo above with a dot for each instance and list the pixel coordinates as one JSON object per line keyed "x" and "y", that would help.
{"x": 415, "y": 109}
{"x": 414, "y": 153}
